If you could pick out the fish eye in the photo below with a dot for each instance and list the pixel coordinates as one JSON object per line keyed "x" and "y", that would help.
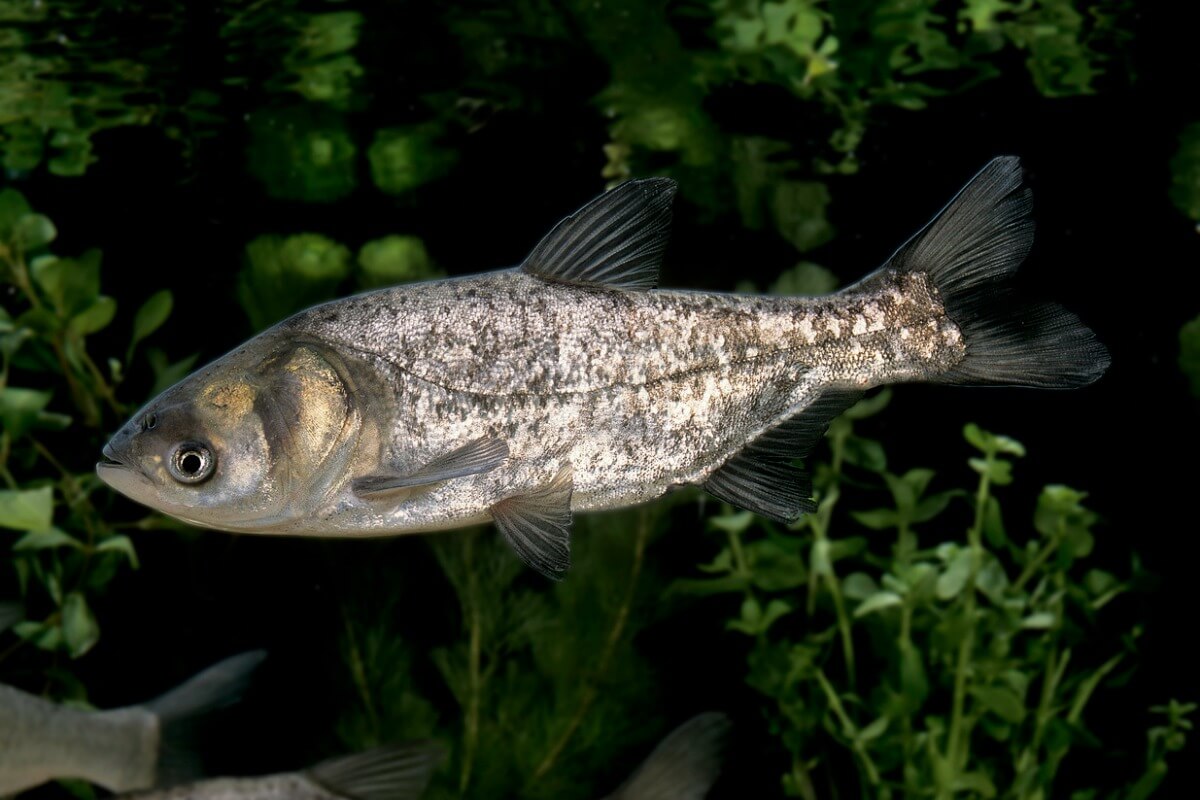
{"x": 191, "y": 462}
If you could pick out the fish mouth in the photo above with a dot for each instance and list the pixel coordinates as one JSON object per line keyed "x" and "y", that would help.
{"x": 111, "y": 459}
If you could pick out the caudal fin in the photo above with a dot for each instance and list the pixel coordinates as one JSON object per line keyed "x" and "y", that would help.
{"x": 970, "y": 251}
{"x": 392, "y": 772}
{"x": 181, "y": 711}
{"x": 685, "y": 764}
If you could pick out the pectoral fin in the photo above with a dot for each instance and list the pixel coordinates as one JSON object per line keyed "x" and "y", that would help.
{"x": 537, "y": 525}
{"x": 474, "y": 457}
{"x": 760, "y": 477}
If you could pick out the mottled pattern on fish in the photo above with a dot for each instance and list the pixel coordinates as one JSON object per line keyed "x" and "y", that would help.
{"x": 635, "y": 391}
{"x": 571, "y": 384}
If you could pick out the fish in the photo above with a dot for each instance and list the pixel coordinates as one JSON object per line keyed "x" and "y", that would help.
{"x": 684, "y": 765}
{"x": 570, "y": 384}
{"x": 392, "y": 772}
{"x": 122, "y": 750}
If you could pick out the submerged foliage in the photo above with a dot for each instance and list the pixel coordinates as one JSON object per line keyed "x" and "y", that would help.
{"x": 908, "y": 639}
{"x": 54, "y": 397}
{"x": 941, "y": 665}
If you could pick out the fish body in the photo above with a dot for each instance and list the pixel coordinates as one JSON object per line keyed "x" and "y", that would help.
{"x": 394, "y": 772}
{"x": 122, "y": 749}
{"x": 569, "y": 384}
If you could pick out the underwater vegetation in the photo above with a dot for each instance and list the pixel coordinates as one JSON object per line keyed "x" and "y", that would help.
{"x": 992, "y": 596}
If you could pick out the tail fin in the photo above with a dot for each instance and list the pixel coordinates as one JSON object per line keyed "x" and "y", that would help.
{"x": 10, "y": 614}
{"x": 685, "y": 764}
{"x": 970, "y": 251}
{"x": 393, "y": 772}
{"x": 181, "y": 710}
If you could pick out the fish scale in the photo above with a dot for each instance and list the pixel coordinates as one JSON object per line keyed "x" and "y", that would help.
{"x": 571, "y": 384}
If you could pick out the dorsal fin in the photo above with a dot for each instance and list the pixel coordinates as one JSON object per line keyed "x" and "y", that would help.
{"x": 616, "y": 240}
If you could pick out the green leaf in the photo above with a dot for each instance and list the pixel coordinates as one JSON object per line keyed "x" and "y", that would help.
{"x": 866, "y": 453}
{"x": 79, "y": 626}
{"x": 151, "y": 316}
{"x": 120, "y": 544}
{"x": 952, "y": 580}
{"x": 876, "y": 602}
{"x": 19, "y": 409}
{"x": 998, "y": 471}
{"x": 46, "y": 538}
{"x": 859, "y": 586}
{"x": 874, "y": 730}
{"x": 1002, "y": 701}
{"x": 26, "y": 509}
{"x": 39, "y": 634}
{"x": 798, "y": 211}
{"x": 96, "y": 317}
{"x": 977, "y": 782}
{"x": 805, "y": 279}
{"x": 877, "y": 519}
{"x": 72, "y": 285}
{"x": 13, "y": 208}
{"x": 1039, "y": 621}
{"x": 393, "y": 260}
{"x": 33, "y": 231}
{"x": 869, "y": 406}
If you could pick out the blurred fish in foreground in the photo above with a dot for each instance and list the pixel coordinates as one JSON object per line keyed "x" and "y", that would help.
{"x": 395, "y": 772}
{"x": 122, "y": 750}
{"x": 685, "y": 764}
{"x": 571, "y": 384}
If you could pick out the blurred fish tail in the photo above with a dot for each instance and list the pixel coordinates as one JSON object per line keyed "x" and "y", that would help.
{"x": 685, "y": 764}
{"x": 181, "y": 712}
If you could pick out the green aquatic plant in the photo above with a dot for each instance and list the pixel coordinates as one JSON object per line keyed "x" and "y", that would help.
{"x": 56, "y": 399}
{"x": 546, "y": 684}
{"x": 284, "y": 274}
{"x": 940, "y": 665}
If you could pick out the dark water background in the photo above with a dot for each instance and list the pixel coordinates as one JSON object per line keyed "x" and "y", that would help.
{"x": 1109, "y": 245}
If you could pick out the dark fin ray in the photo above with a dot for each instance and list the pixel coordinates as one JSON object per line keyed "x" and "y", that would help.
{"x": 760, "y": 477}
{"x": 182, "y": 710}
{"x": 10, "y": 614}
{"x": 617, "y": 240}
{"x": 474, "y": 457}
{"x": 685, "y": 764}
{"x": 970, "y": 251}
{"x": 537, "y": 526}
{"x": 392, "y": 772}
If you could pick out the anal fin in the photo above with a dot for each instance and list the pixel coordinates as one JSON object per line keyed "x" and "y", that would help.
{"x": 537, "y": 525}
{"x": 474, "y": 457}
{"x": 760, "y": 477}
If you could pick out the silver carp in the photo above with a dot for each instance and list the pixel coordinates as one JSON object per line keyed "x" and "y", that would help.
{"x": 393, "y": 772}
{"x": 570, "y": 383}
{"x": 123, "y": 749}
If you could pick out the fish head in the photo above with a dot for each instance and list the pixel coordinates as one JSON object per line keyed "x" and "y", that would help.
{"x": 246, "y": 444}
